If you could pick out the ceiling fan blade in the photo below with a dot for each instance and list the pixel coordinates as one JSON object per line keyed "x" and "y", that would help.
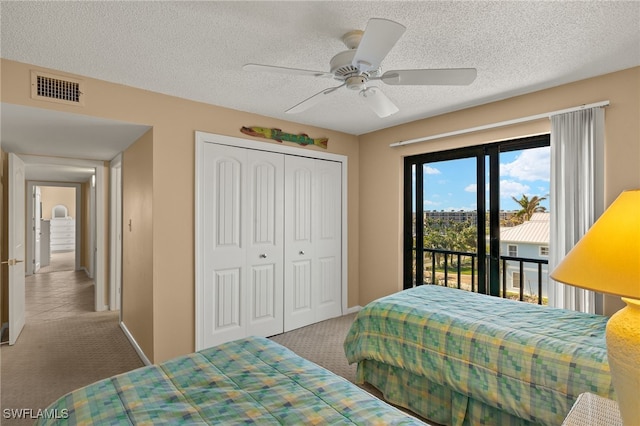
{"x": 378, "y": 101}
{"x": 284, "y": 70}
{"x": 313, "y": 100}
{"x": 378, "y": 39}
{"x": 447, "y": 76}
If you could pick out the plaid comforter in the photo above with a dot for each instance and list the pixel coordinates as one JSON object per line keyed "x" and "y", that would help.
{"x": 252, "y": 380}
{"x": 529, "y": 361}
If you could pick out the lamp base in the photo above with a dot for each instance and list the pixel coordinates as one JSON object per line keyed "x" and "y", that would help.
{"x": 623, "y": 352}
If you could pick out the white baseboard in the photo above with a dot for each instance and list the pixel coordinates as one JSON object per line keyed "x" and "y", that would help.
{"x": 86, "y": 271}
{"x": 4, "y": 327}
{"x": 135, "y": 345}
{"x": 353, "y": 309}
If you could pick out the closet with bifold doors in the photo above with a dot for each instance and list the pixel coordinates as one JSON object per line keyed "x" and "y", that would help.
{"x": 269, "y": 228}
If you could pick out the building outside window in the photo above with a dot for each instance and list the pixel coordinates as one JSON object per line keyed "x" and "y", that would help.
{"x": 515, "y": 277}
{"x": 529, "y": 240}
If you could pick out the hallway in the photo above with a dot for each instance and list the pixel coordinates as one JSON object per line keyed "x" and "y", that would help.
{"x": 59, "y": 293}
{"x": 56, "y": 291}
{"x": 64, "y": 344}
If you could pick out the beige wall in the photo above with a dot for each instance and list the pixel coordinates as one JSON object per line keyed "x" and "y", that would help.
{"x": 381, "y": 166}
{"x": 53, "y": 195}
{"x": 137, "y": 242}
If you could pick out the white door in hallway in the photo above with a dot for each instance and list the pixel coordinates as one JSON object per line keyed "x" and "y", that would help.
{"x": 242, "y": 243}
{"x": 313, "y": 235}
{"x": 16, "y": 254}
{"x": 37, "y": 216}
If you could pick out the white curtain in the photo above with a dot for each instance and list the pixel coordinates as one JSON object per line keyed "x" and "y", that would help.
{"x": 576, "y": 194}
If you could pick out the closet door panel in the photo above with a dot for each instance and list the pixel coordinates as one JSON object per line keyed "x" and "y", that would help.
{"x": 313, "y": 241}
{"x": 224, "y": 249}
{"x": 264, "y": 254}
{"x": 327, "y": 270}
{"x": 301, "y": 287}
{"x": 263, "y": 291}
{"x": 300, "y": 213}
{"x": 227, "y": 201}
{"x": 299, "y": 258}
{"x": 328, "y": 241}
{"x": 226, "y": 296}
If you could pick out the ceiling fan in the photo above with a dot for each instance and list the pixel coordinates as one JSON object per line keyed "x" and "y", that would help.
{"x": 359, "y": 65}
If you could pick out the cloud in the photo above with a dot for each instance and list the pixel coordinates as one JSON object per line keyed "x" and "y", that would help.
{"x": 431, "y": 203}
{"x": 470, "y": 208}
{"x": 510, "y": 188}
{"x": 530, "y": 165}
{"x": 428, "y": 170}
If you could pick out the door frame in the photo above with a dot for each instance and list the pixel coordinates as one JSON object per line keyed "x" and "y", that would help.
{"x": 115, "y": 276}
{"x": 100, "y": 222}
{"x": 31, "y": 184}
{"x": 36, "y": 205}
{"x": 16, "y": 221}
{"x": 202, "y": 138}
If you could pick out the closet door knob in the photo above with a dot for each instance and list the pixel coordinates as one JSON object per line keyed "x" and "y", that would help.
{"x": 301, "y": 252}
{"x": 263, "y": 256}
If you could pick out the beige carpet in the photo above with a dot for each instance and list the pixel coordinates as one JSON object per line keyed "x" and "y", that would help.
{"x": 322, "y": 344}
{"x": 55, "y": 357}
{"x": 64, "y": 344}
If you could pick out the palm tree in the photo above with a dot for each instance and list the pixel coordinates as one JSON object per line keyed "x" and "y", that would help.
{"x": 529, "y": 206}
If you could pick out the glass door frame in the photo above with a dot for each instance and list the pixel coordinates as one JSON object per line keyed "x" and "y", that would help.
{"x": 484, "y": 154}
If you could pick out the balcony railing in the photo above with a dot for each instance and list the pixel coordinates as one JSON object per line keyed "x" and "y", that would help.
{"x": 441, "y": 275}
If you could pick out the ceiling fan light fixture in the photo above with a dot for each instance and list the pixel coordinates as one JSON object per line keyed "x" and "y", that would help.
{"x": 357, "y": 82}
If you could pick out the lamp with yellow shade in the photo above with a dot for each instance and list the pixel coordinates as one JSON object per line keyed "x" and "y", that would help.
{"x": 607, "y": 260}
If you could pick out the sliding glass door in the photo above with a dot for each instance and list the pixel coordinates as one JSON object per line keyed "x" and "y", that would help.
{"x": 446, "y": 220}
{"x": 453, "y": 217}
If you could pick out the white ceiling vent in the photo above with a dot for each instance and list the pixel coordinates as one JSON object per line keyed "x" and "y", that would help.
{"x": 54, "y": 88}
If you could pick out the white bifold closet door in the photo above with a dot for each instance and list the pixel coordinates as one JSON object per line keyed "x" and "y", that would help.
{"x": 271, "y": 242}
{"x": 243, "y": 244}
{"x": 313, "y": 232}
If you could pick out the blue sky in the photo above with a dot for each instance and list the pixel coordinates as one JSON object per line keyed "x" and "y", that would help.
{"x": 451, "y": 185}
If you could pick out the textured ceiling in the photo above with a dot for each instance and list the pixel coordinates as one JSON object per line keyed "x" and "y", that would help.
{"x": 196, "y": 50}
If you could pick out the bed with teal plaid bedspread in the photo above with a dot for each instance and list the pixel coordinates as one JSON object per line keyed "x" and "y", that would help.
{"x": 252, "y": 380}
{"x": 457, "y": 357}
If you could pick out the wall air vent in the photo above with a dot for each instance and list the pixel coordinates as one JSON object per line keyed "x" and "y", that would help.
{"x": 53, "y": 88}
